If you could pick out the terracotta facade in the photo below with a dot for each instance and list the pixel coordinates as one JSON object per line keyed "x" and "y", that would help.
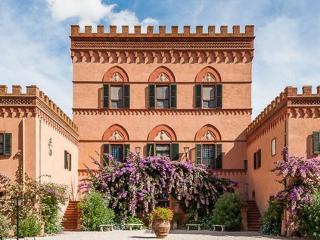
{"x": 174, "y": 60}
{"x": 186, "y": 95}
{"x": 35, "y": 135}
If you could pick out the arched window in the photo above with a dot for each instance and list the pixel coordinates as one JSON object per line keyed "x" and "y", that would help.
{"x": 162, "y": 92}
{"x": 162, "y": 142}
{"x": 115, "y": 138}
{"x": 116, "y": 90}
{"x": 208, "y": 89}
{"x": 208, "y": 150}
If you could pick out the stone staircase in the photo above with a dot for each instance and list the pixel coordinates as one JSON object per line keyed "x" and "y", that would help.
{"x": 71, "y": 218}
{"x": 253, "y": 216}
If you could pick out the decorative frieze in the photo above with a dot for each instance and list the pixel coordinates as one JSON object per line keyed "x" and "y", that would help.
{"x": 160, "y": 112}
{"x": 163, "y": 57}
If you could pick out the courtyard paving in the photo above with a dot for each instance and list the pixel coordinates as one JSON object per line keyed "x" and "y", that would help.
{"x": 147, "y": 234}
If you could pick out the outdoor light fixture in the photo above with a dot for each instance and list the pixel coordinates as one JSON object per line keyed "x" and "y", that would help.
{"x": 186, "y": 153}
{"x": 138, "y": 150}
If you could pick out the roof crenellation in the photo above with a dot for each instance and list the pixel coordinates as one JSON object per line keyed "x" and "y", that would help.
{"x": 33, "y": 90}
{"x": 280, "y": 101}
{"x": 124, "y": 31}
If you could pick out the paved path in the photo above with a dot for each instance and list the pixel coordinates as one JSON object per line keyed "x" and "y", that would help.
{"x": 146, "y": 234}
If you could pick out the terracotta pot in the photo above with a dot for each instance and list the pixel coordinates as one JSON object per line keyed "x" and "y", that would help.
{"x": 161, "y": 228}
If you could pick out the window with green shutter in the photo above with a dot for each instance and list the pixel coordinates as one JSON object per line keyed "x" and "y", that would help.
{"x": 106, "y": 96}
{"x": 67, "y": 160}
{"x": 5, "y": 144}
{"x": 316, "y": 142}
{"x": 209, "y": 155}
{"x": 126, "y": 97}
{"x": 151, "y": 96}
{"x": 174, "y": 151}
{"x": 150, "y": 149}
{"x": 198, "y": 96}
{"x": 173, "y": 96}
{"x": 219, "y": 96}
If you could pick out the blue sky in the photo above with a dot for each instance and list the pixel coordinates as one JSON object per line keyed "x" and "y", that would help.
{"x": 35, "y": 45}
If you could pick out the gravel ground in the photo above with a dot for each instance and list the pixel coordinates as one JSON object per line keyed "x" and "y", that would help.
{"x": 146, "y": 234}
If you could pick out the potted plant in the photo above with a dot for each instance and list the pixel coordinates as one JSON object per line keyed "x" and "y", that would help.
{"x": 161, "y": 218}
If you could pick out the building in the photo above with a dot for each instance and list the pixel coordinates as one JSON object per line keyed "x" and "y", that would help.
{"x": 292, "y": 121}
{"x": 37, "y": 137}
{"x": 184, "y": 95}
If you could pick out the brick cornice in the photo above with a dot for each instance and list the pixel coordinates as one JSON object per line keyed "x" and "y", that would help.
{"x": 162, "y": 47}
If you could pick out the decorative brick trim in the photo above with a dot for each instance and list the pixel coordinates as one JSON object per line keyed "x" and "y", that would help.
{"x": 135, "y": 112}
{"x": 155, "y": 131}
{"x": 201, "y": 132}
{"x": 116, "y": 127}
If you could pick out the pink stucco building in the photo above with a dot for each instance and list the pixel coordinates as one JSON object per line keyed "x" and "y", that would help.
{"x": 177, "y": 93}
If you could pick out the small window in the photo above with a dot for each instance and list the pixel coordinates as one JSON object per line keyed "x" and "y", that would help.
{"x": 116, "y": 96}
{"x": 163, "y": 150}
{"x": 117, "y": 152}
{"x": 67, "y": 160}
{"x": 5, "y": 144}
{"x": 257, "y": 159}
{"x": 209, "y": 155}
{"x": 162, "y": 96}
{"x": 273, "y": 147}
{"x": 208, "y": 96}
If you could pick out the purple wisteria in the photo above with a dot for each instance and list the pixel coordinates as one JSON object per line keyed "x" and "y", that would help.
{"x": 138, "y": 183}
{"x": 301, "y": 178}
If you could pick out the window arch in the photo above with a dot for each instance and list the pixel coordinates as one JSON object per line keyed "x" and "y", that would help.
{"x": 162, "y": 75}
{"x": 208, "y": 75}
{"x": 115, "y": 74}
{"x": 162, "y": 133}
{"x": 162, "y": 142}
{"x": 207, "y": 133}
{"x": 115, "y": 133}
{"x": 116, "y": 90}
{"x": 162, "y": 91}
{"x": 208, "y": 89}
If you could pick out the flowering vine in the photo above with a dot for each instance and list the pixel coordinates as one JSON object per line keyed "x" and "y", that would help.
{"x": 301, "y": 178}
{"x": 138, "y": 183}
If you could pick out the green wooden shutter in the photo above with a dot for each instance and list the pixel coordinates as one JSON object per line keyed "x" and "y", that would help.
{"x": 316, "y": 142}
{"x": 212, "y": 160}
{"x": 106, "y": 96}
{"x": 174, "y": 151}
{"x": 219, "y": 157}
{"x": 151, "y": 93}
{"x": 65, "y": 159}
{"x": 173, "y": 96}
{"x": 126, "y": 96}
{"x": 150, "y": 149}
{"x": 126, "y": 151}
{"x": 7, "y": 144}
{"x": 105, "y": 149}
{"x": 198, "y": 97}
{"x": 69, "y": 162}
{"x": 219, "y": 96}
{"x": 198, "y": 153}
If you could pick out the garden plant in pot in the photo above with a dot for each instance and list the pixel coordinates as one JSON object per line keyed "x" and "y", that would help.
{"x": 161, "y": 218}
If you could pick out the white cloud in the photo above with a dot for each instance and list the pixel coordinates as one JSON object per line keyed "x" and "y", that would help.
{"x": 91, "y": 12}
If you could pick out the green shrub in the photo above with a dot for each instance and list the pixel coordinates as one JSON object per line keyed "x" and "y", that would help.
{"x": 29, "y": 227}
{"x": 162, "y": 214}
{"x": 94, "y": 212}
{"x": 310, "y": 218}
{"x": 227, "y": 211}
{"x": 4, "y": 227}
{"x": 134, "y": 220}
{"x": 271, "y": 220}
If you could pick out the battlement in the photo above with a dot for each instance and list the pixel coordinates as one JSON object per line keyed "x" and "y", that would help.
{"x": 289, "y": 93}
{"x": 33, "y": 91}
{"x": 162, "y": 31}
